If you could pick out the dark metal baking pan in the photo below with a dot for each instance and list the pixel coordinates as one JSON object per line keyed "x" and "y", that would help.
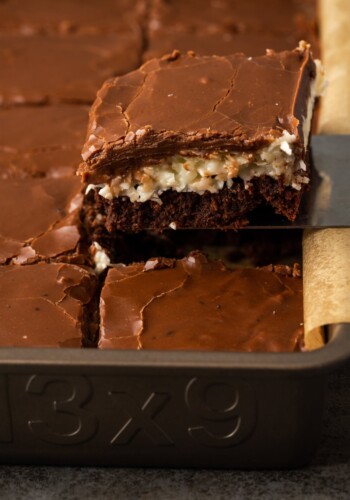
{"x": 165, "y": 409}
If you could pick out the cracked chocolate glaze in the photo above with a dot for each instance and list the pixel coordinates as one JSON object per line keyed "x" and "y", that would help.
{"x": 45, "y": 305}
{"x": 228, "y": 26}
{"x": 36, "y": 128}
{"x": 194, "y": 304}
{"x": 191, "y": 105}
{"x": 41, "y": 140}
{"x": 221, "y": 42}
{"x": 44, "y": 221}
{"x": 68, "y": 16}
{"x": 63, "y": 69}
{"x": 274, "y": 16}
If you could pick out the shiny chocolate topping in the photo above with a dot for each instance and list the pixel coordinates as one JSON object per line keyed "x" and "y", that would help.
{"x": 41, "y": 140}
{"x": 195, "y": 105}
{"x": 44, "y": 305}
{"x": 237, "y": 15}
{"x": 227, "y": 26}
{"x": 34, "y": 70}
{"x": 44, "y": 127}
{"x": 39, "y": 218}
{"x": 68, "y": 16}
{"x": 194, "y": 304}
{"x": 222, "y": 42}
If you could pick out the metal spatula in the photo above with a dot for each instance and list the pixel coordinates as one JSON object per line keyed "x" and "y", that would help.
{"x": 327, "y": 203}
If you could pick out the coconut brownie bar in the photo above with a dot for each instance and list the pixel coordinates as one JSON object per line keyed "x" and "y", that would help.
{"x": 41, "y": 140}
{"x": 193, "y": 304}
{"x": 46, "y": 305}
{"x": 69, "y": 16}
{"x": 189, "y": 141}
{"x": 275, "y": 16}
{"x": 51, "y": 69}
{"x": 221, "y": 42}
{"x": 40, "y": 220}
{"x": 40, "y": 197}
{"x": 229, "y": 26}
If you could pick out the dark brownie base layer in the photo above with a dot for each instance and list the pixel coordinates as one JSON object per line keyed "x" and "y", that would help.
{"x": 227, "y": 209}
{"x": 235, "y": 248}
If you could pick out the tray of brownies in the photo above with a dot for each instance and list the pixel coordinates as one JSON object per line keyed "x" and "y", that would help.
{"x": 174, "y": 230}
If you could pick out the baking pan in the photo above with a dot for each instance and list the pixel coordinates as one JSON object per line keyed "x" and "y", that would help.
{"x": 165, "y": 409}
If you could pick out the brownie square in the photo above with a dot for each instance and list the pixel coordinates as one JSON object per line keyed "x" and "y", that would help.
{"x": 40, "y": 220}
{"x": 42, "y": 127}
{"x": 194, "y": 304}
{"x": 271, "y": 16}
{"x": 200, "y": 141}
{"x": 222, "y": 27}
{"x": 220, "y": 42}
{"x": 46, "y": 305}
{"x": 30, "y": 17}
{"x": 38, "y": 70}
{"x": 43, "y": 140}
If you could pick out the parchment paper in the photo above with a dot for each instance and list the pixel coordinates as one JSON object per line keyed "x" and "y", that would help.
{"x": 326, "y": 276}
{"x": 335, "y": 48}
{"x": 326, "y": 252}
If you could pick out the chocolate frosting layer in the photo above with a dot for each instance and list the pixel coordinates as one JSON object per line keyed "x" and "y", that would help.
{"x": 237, "y": 15}
{"x": 222, "y": 42}
{"x": 34, "y": 70}
{"x": 39, "y": 218}
{"x": 49, "y": 163}
{"x": 42, "y": 127}
{"x": 43, "y": 140}
{"x": 68, "y": 16}
{"x": 45, "y": 305}
{"x": 228, "y": 26}
{"x": 194, "y": 304}
{"x": 192, "y": 104}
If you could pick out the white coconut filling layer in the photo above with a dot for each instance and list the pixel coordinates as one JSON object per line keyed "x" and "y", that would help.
{"x": 196, "y": 174}
{"x": 201, "y": 174}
